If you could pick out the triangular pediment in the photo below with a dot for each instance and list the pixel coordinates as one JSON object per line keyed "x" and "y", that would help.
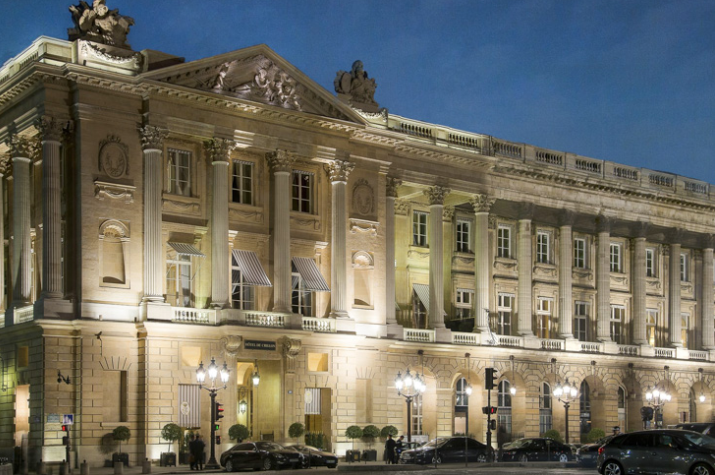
{"x": 260, "y": 75}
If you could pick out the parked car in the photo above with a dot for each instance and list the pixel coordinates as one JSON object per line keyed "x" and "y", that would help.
{"x": 707, "y": 428}
{"x": 536, "y": 450}
{"x": 315, "y": 457}
{"x": 587, "y": 454}
{"x": 447, "y": 450}
{"x": 658, "y": 451}
{"x": 260, "y": 455}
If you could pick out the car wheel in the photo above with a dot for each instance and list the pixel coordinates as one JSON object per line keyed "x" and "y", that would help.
{"x": 482, "y": 458}
{"x": 612, "y": 467}
{"x": 701, "y": 469}
{"x": 523, "y": 458}
{"x": 267, "y": 463}
{"x": 563, "y": 458}
{"x": 229, "y": 466}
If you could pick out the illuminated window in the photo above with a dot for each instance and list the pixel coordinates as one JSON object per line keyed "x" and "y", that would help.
{"x": 504, "y": 408}
{"x": 301, "y": 298}
{"x": 651, "y": 323}
{"x": 242, "y": 182}
{"x": 622, "y": 420}
{"x": 417, "y": 415}
{"x": 242, "y": 297}
{"x": 463, "y": 304}
{"x": 543, "y": 317}
{"x": 302, "y": 191}
{"x": 462, "y": 398}
{"x": 545, "y": 414}
{"x": 580, "y": 321}
{"x": 618, "y": 314}
{"x": 505, "y": 309}
{"x": 179, "y": 280}
{"x": 179, "y": 172}
{"x": 419, "y": 228}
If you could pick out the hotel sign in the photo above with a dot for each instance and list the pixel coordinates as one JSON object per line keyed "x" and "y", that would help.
{"x": 260, "y": 345}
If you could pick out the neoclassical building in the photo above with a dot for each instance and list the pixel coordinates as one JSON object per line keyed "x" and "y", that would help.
{"x": 158, "y": 214}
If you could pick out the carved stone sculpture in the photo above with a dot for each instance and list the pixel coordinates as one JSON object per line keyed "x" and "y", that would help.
{"x": 99, "y": 24}
{"x": 356, "y": 85}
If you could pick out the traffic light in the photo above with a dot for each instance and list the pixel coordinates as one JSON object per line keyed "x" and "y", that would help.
{"x": 65, "y": 438}
{"x": 493, "y": 424}
{"x": 490, "y": 378}
{"x": 218, "y": 440}
{"x": 489, "y": 410}
{"x": 219, "y": 411}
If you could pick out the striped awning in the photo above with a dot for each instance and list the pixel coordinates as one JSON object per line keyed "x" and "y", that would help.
{"x": 250, "y": 269}
{"x": 422, "y": 291}
{"x": 184, "y": 249}
{"x": 312, "y": 278}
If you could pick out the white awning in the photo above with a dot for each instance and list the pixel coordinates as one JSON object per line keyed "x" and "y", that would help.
{"x": 312, "y": 278}
{"x": 422, "y": 291}
{"x": 250, "y": 269}
{"x": 184, "y": 249}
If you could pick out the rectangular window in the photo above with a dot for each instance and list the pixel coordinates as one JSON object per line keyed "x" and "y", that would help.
{"x": 684, "y": 267}
{"x": 543, "y": 317}
{"x": 179, "y": 172}
{"x": 616, "y": 258}
{"x": 618, "y": 314}
{"x": 650, "y": 262}
{"x": 464, "y": 236}
{"x": 419, "y": 228}
{"x": 505, "y": 309}
{"x": 301, "y": 298}
{"x": 417, "y": 415}
{"x": 463, "y": 303}
{"x": 302, "y": 191}
{"x": 651, "y": 324}
{"x": 242, "y": 182}
{"x": 542, "y": 247}
{"x": 579, "y": 253}
{"x": 179, "y": 278}
{"x": 504, "y": 242}
{"x": 241, "y": 293}
{"x": 684, "y": 326}
{"x": 580, "y": 321}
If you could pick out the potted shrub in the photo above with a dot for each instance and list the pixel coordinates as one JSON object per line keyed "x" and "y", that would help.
{"x": 370, "y": 433}
{"x": 353, "y": 432}
{"x": 238, "y": 432}
{"x": 170, "y": 433}
{"x": 121, "y": 434}
{"x": 595, "y": 435}
{"x": 296, "y": 430}
{"x": 388, "y": 430}
{"x": 553, "y": 434}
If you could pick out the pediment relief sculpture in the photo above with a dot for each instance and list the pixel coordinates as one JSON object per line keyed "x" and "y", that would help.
{"x": 99, "y": 24}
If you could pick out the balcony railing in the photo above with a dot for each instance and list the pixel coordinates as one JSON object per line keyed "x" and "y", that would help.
{"x": 416, "y": 334}
{"x": 24, "y": 314}
{"x": 698, "y": 355}
{"x": 629, "y": 350}
{"x": 505, "y": 340}
{"x": 590, "y": 347}
{"x": 664, "y": 352}
{"x": 265, "y": 319}
{"x": 319, "y": 325}
{"x": 464, "y": 338}
{"x": 554, "y": 345}
{"x": 201, "y": 316}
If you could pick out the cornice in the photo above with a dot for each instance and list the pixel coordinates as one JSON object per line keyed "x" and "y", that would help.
{"x": 425, "y": 152}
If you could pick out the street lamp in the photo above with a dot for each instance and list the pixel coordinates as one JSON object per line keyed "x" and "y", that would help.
{"x": 657, "y": 399}
{"x": 409, "y": 387}
{"x": 213, "y": 372}
{"x": 566, "y": 394}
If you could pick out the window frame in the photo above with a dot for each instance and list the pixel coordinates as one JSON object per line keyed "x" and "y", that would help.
{"x": 502, "y": 311}
{"x": 460, "y": 305}
{"x": 650, "y": 267}
{"x": 242, "y": 290}
{"x": 463, "y": 238}
{"x": 183, "y": 263}
{"x": 296, "y": 196}
{"x": 684, "y": 328}
{"x": 301, "y": 295}
{"x": 544, "y": 331}
{"x": 651, "y": 312}
{"x": 580, "y": 261}
{"x": 582, "y": 318}
{"x": 420, "y": 230}
{"x": 172, "y": 172}
{"x": 616, "y": 258}
{"x": 504, "y": 406}
{"x": 616, "y": 322}
{"x": 543, "y": 247}
{"x": 545, "y": 408}
{"x": 504, "y": 236}
{"x": 684, "y": 267}
{"x": 241, "y": 178}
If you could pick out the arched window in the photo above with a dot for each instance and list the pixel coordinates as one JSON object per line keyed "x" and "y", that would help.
{"x": 462, "y": 396}
{"x": 545, "y": 414}
{"x": 693, "y": 407}
{"x": 585, "y": 410}
{"x": 461, "y": 407}
{"x": 417, "y": 415}
{"x": 622, "y": 409}
{"x": 504, "y": 412}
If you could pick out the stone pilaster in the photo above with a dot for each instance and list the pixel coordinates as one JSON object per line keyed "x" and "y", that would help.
{"x": 390, "y": 295}
{"x": 338, "y": 172}
{"x": 152, "y": 146}
{"x": 674, "y": 317}
{"x": 565, "y": 281}
{"x": 524, "y": 258}
{"x": 51, "y": 131}
{"x": 436, "y": 195}
{"x": 4, "y": 164}
{"x": 603, "y": 281}
{"x": 281, "y": 163}
{"x": 706, "y": 316}
{"x": 482, "y": 204}
{"x": 219, "y": 151}
{"x": 639, "y": 292}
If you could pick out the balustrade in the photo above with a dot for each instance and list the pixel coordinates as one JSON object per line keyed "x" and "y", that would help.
{"x": 319, "y": 325}
{"x": 193, "y": 315}
{"x": 664, "y": 352}
{"x": 464, "y": 338}
{"x": 590, "y": 347}
{"x": 629, "y": 350}
{"x": 552, "y": 344}
{"x": 265, "y": 319}
{"x": 415, "y": 334}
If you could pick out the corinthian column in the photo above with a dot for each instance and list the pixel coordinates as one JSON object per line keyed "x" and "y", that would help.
{"x": 152, "y": 145}
{"x": 3, "y": 168}
{"x": 603, "y": 280}
{"x": 674, "y": 317}
{"x": 707, "y": 323}
{"x": 436, "y": 195}
{"x": 639, "y": 287}
{"x": 51, "y": 132}
{"x": 338, "y": 172}
{"x": 565, "y": 278}
{"x": 390, "y": 296}
{"x": 281, "y": 163}
{"x": 524, "y": 284}
{"x": 21, "y": 152}
{"x": 482, "y": 204}
{"x": 218, "y": 151}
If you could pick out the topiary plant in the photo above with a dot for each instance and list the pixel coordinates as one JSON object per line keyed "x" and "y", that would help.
{"x": 353, "y": 432}
{"x": 553, "y": 434}
{"x": 388, "y": 430}
{"x": 171, "y": 432}
{"x": 370, "y": 433}
{"x": 595, "y": 435}
{"x": 238, "y": 432}
{"x": 296, "y": 430}
{"x": 120, "y": 434}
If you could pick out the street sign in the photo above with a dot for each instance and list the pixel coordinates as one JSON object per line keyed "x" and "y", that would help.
{"x": 67, "y": 419}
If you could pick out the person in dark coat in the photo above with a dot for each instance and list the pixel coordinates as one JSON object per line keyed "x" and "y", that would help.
{"x": 200, "y": 445}
{"x": 399, "y": 447}
{"x": 192, "y": 452}
{"x": 390, "y": 449}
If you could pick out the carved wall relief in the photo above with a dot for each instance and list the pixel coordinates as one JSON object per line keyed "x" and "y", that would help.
{"x": 363, "y": 199}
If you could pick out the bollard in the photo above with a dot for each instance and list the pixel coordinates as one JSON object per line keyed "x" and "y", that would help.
{"x": 119, "y": 468}
{"x": 84, "y": 468}
{"x": 146, "y": 466}
{"x": 41, "y": 468}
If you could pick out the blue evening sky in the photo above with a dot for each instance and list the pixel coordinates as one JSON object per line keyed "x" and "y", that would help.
{"x": 631, "y": 81}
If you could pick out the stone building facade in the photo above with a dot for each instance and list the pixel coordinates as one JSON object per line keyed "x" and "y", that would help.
{"x": 158, "y": 214}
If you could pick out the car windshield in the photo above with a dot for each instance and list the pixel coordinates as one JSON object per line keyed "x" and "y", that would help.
{"x": 517, "y": 444}
{"x": 701, "y": 440}
{"x": 435, "y": 443}
{"x": 268, "y": 446}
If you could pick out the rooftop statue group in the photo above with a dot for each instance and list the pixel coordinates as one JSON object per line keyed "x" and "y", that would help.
{"x": 99, "y": 24}
{"x": 356, "y": 84}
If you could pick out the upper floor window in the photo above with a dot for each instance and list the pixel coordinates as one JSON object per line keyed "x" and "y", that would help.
{"x": 545, "y": 414}
{"x": 302, "y": 191}
{"x": 504, "y": 241}
{"x": 505, "y": 307}
{"x": 241, "y": 293}
{"x": 543, "y": 317}
{"x": 179, "y": 172}
{"x": 684, "y": 325}
{"x": 179, "y": 278}
{"x": 419, "y": 228}
{"x": 650, "y": 262}
{"x": 616, "y": 258}
{"x": 580, "y": 321}
{"x": 651, "y": 323}
{"x": 579, "y": 253}
{"x": 464, "y": 236}
{"x": 301, "y": 297}
{"x": 463, "y": 303}
{"x": 242, "y": 182}
{"x": 618, "y": 314}
{"x": 461, "y": 393}
{"x": 543, "y": 247}
{"x": 684, "y": 267}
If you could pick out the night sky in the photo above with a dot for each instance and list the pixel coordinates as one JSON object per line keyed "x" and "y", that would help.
{"x": 631, "y": 81}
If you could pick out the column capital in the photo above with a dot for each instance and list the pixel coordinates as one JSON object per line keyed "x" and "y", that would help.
{"x": 50, "y": 128}
{"x": 707, "y": 241}
{"x": 481, "y": 203}
{"x": 4, "y": 164}
{"x": 392, "y": 184}
{"x": 280, "y": 161}
{"x": 219, "y": 149}
{"x": 448, "y": 214}
{"x": 152, "y": 137}
{"x": 22, "y": 146}
{"x": 436, "y": 194}
{"x": 604, "y": 223}
{"x": 339, "y": 170}
{"x": 402, "y": 207}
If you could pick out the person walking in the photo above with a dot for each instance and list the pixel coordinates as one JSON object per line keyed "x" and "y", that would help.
{"x": 390, "y": 449}
{"x": 192, "y": 452}
{"x": 399, "y": 447}
{"x": 200, "y": 445}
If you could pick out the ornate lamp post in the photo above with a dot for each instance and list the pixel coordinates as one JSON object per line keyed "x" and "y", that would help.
{"x": 566, "y": 394}
{"x": 657, "y": 399}
{"x": 213, "y": 372}
{"x": 409, "y": 387}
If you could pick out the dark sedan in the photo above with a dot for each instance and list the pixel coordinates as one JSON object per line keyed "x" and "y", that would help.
{"x": 536, "y": 450}
{"x": 449, "y": 450}
{"x": 316, "y": 457}
{"x": 588, "y": 453}
{"x": 260, "y": 455}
